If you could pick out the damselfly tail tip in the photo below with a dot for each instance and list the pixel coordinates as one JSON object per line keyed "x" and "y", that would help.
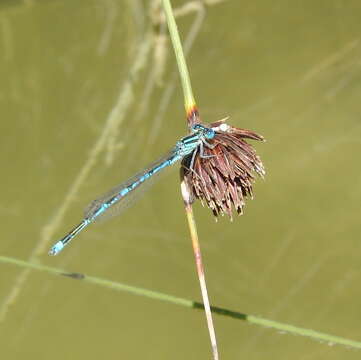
{"x": 55, "y": 250}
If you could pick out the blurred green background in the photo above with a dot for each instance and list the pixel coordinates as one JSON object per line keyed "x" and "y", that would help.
{"x": 290, "y": 71}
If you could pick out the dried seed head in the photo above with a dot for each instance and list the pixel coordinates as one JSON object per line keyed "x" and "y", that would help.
{"x": 223, "y": 176}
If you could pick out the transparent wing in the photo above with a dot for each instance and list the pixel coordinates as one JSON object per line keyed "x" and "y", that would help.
{"x": 124, "y": 201}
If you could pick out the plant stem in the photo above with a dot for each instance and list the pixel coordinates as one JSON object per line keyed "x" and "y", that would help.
{"x": 252, "y": 319}
{"x": 189, "y": 101}
{"x": 192, "y": 117}
{"x": 202, "y": 279}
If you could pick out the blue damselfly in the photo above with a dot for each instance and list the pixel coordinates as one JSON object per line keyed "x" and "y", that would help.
{"x": 117, "y": 198}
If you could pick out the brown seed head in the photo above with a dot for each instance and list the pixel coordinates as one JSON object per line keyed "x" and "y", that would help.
{"x": 223, "y": 176}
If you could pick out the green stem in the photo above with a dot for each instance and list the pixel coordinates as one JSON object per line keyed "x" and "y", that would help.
{"x": 252, "y": 319}
{"x": 189, "y": 101}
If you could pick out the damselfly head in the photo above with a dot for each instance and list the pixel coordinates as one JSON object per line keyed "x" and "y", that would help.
{"x": 205, "y": 131}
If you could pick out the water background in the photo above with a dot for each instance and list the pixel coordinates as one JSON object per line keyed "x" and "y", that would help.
{"x": 291, "y": 72}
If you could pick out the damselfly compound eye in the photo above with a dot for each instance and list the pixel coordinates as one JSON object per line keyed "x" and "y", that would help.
{"x": 210, "y": 134}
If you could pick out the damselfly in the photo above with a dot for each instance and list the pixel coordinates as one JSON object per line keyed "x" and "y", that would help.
{"x": 117, "y": 198}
